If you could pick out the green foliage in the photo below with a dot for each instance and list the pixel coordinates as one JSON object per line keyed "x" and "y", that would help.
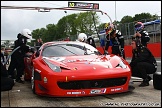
{"x": 73, "y": 24}
{"x": 7, "y": 43}
{"x": 142, "y": 16}
{"x": 61, "y": 28}
{"x": 101, "y": 27}
{"x": 126, "y": 19}
{"x": 50, "y": 33}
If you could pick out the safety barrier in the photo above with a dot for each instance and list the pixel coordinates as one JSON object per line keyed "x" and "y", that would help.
{"x": 155, "y": 48}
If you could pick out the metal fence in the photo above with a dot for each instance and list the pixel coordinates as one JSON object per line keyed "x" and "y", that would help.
{"x": 127, "y": 29}
{"x": 151, "y": 26}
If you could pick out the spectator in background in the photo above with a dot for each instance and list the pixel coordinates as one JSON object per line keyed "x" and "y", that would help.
{"x": 39, "y": 43}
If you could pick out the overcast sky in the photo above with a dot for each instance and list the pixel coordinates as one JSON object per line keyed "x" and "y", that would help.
{"x": 14, "y": 20}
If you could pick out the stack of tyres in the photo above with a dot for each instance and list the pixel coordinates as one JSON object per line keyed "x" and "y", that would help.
{"x": 157, "y": 80}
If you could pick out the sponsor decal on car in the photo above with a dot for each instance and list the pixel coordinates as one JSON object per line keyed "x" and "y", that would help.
{"x": 98, "y": 91}
{"x": 116, "y": 89}
{"x": 83, "y": 92}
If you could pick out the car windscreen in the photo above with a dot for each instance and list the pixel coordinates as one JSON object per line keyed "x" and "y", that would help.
{"x": 68, "y": 50}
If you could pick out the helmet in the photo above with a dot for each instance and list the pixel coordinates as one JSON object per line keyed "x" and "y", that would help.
{"x": 139, "y": 26}
{"x": 109, "y": 28}
{"x": 26, "y": 33}
{"x": 82, "y": 37}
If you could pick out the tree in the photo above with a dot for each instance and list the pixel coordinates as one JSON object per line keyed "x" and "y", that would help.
{"x": 85, "y": 22}
{"x": 61, "y": 28}
{"x": 101, "y": 27}
{"x": 36, "y": 33}
{"x": 73, "y": 24}
{"x": 126, "y": 24}
{"x": 71, "y": 19}
{"x": 50, "y": 33}
{"x": 126, "y": 19}
{"x": 141, "y": 17}
{"x": 7, "y": 43}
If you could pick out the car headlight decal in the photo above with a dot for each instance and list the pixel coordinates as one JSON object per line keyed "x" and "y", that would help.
{"x": 117, "y": 62}
{"x": 121, "y": 64}
{"x": 52, "y": 66}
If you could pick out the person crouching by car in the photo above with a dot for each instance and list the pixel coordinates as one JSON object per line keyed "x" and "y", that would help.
{"x": 143, "y": 62}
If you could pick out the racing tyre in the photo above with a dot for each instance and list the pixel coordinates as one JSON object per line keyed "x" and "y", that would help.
{"x": 157, "y": 80}
{"x": 33, "y": 81}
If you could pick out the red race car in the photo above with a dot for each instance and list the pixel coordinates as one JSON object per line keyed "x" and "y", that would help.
{"x": 71, "y": 69}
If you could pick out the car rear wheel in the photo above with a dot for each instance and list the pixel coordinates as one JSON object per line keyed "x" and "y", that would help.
{"x": 33, "y": 81}
{"x": 157, "y": 80}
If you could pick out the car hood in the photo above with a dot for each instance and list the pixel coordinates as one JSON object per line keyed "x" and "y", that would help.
{"x": 86, "y": 62}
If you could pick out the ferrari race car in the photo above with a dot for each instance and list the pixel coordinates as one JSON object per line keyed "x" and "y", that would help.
{"x": 71, "y": 69}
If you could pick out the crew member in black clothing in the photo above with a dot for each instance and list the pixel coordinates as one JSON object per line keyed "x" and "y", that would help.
{"x": 91, "y": 41}
{"x": 141, "y": 33}
{"x": 39, "y": 43}
{"x": 116, "y": 38}
{"x": 143, "y": 62}
{"x": 6, "y": 83}
{"x": 17, "y": 58}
